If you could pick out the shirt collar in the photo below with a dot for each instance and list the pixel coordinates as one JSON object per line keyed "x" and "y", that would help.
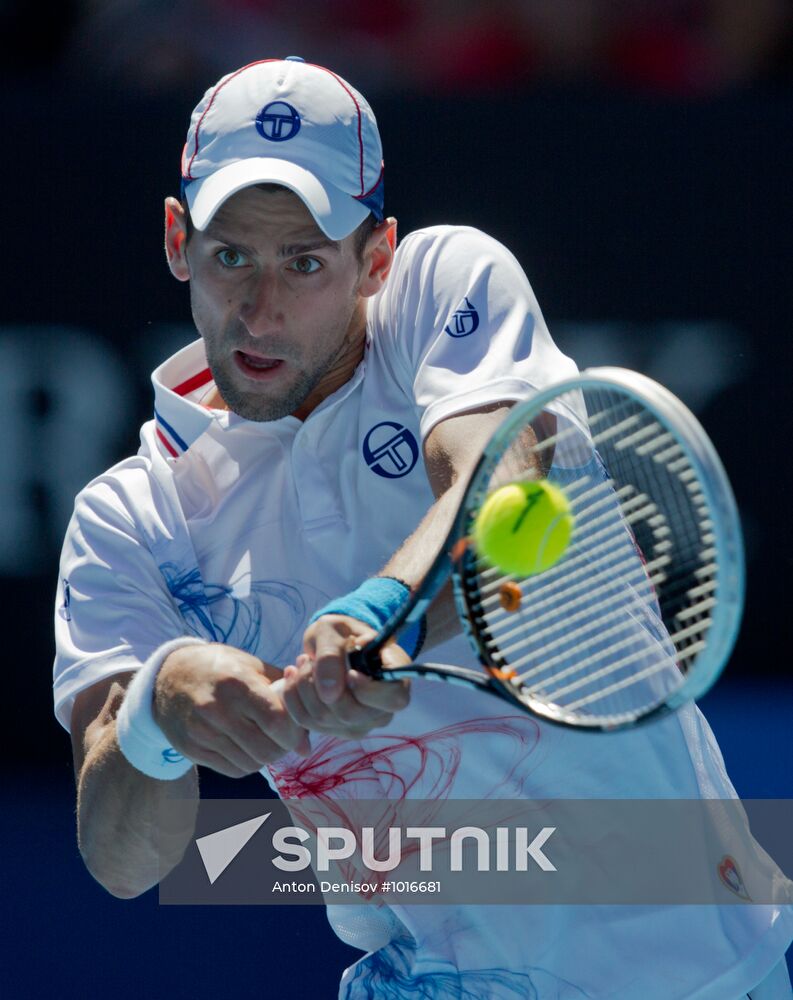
{"x": 179, "y": 383}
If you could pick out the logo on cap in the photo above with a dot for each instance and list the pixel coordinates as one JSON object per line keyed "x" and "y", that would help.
{"x": 278, "y": 121}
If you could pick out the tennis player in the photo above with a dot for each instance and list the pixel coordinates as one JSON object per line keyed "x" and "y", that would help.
{"x": 303, "y": 462}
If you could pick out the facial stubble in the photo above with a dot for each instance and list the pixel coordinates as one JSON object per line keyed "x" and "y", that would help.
{"x": 272, "y": 402}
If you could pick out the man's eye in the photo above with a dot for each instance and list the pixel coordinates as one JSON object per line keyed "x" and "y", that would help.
{"x": 305, "y": 265}
{"x": 231, "y": 258}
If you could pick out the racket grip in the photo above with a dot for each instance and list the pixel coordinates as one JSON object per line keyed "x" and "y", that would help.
{"x": 366, "y": 660}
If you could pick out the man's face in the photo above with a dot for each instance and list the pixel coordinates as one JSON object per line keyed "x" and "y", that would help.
{"x": 278, "y": 304}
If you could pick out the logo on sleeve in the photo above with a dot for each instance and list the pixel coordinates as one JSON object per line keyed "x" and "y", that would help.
{"x": 278, "y": 121}
{"x": 464, "y": 320}
{"x": 65, "y": 610}
{"x": 731, "y": 877}
{"x": 390, "y": 450}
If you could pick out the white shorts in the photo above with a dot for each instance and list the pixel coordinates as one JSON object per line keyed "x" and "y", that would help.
{"x": 775, "y": 986}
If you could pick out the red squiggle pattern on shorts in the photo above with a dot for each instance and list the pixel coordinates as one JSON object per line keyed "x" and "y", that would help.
{"x": 340, "y": 774}
{"x": 400, "y": 765}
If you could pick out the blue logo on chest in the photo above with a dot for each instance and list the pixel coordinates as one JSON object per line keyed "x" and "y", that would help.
{"x": 278, "y": 121}
{"x": 464, "y": 320}
{"x": 390, "y": 450}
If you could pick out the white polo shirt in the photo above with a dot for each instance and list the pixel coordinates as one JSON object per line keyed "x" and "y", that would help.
{"x": 238, "y": 531}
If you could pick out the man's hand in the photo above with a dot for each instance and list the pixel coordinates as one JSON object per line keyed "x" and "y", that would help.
{"x": 321, "y": 692}
{"x": 215, "y": 705}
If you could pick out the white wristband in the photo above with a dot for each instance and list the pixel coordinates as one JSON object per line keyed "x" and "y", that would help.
{"x": 141, "y": 740}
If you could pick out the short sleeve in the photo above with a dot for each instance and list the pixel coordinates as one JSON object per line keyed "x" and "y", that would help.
{"x": 113, "y": 608}
{"x": 463, "y": 324}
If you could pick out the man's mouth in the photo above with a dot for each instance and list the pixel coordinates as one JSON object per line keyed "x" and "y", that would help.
{"x": 255, "y": 365}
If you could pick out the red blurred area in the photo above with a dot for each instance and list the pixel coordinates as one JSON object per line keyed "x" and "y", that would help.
{"x": 669, "y": 46}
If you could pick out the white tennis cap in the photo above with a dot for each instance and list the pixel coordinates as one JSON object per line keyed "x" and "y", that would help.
{"x": 288, "y": 122}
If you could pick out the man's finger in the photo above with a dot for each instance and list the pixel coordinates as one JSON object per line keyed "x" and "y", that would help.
{"x": 305, "y": 706}
{"x": 345, "y": 717}
{"x": 270, "y": 717}
{"x": 330, "y": 667}
{"x": 297, "y": 696}
{"x": 223, "y": 754}
{"x": 388, "y": 696}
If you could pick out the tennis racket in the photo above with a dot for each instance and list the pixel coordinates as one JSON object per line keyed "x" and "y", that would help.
{"x": 641, "y": 612}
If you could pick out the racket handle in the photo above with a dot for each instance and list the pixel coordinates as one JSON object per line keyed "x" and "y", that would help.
{"x": 366, "y": 660}
{"x": 469, "y": 677}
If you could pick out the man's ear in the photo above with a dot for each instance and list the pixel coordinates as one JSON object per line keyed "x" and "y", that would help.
{"x": 176, "y": 239}
{"x": 378, "y": 256}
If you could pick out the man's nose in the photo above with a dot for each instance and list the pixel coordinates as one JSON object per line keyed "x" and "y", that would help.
{"x": 260, "y": 310}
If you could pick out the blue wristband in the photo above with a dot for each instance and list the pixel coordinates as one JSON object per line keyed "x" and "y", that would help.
{"x": 374, "y": 602}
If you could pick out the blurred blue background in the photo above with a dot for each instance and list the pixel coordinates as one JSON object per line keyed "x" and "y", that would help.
{"x": 636, "y": 156}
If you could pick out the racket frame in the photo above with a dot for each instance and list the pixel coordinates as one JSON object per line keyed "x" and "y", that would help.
{"x": 457, "y": 548}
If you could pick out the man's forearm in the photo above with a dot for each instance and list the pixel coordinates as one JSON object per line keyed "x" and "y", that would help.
{"x": 452, "y": 449}
{"x": 121, "y": 825}
{"x": 414, "y": 558}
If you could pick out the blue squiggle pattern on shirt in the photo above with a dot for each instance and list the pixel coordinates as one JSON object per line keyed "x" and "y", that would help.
{"x": 213, "y": 612}
{"x": 387, "y": 975}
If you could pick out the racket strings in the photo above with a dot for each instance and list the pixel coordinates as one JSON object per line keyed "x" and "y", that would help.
{"x": 618, "y": 620}
{"x": 498, "y": 616}
{"x": 571, "y": 646}
{"x": 635, "y": 677}
{"x": 541, "y": 636}
{"x": 573, "y": 576}
{"x": 578, "y": 565}
{"x": 584, "y": 635}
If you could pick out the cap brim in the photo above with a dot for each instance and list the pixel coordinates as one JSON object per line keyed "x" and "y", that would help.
{"x": 336, "y": 213}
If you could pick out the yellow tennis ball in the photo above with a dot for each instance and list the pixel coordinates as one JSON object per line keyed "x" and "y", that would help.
{"x": 524, "y": 528}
